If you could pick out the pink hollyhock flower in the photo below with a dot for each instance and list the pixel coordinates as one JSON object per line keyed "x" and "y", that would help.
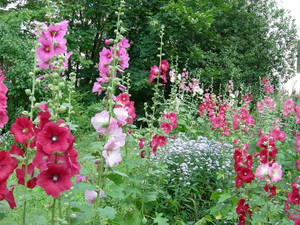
{"x": 31, "y": 180}
{"x": 124, "y": 58}
{"x": 154, "y": 72}
{"x": 275, "y": 172}
{"x": 288, "y": 107}
{"x": 104, "y": 70}
{"x": 111, "y": 152}
{"x": 166, "y": 127}
{"x": 100, "y": 121}
{"x": 7, "y": 165}
{"x": 97, "y": 88}
{"x": 81, "y": 178}
{"x": 106, "y": 55}
{"x": 142, "y": 141}
{"x": 43, "y": 63}
{"x": 123, "y": 98}
{"x": 159, "y": 140}
{"x": 55, "y": 179}
{"x": 3, "y": 117}
{"x": 3, "y": 88}
{"x": 278, "y": 134}
{"x": 262, "y": 171}
{"x": 122, "y": 87}
{"x": 124, "y": 43}
{"x": 59, "y": 47}
{"x": 23, "y": 130}
{"x": 164, "y": 65}
{"x": 90, "y": 196}
{"x": 107, "y": 42}
{"x": 53, "y": 138}
{"x": 66, "y": 62}
{"x": 217, "y": 122}
{"x": 121, "y": 115}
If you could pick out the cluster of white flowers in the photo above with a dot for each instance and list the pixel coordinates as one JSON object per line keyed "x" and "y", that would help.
{"x": 5, "y": 140}
{"x": 189, "y": 160}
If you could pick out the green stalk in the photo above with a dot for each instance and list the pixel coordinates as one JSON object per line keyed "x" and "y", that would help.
{"x": 53, "y": 212}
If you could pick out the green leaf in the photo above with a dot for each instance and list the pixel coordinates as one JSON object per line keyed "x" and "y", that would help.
{"x": 36, "y": 218}
{"x": 7, "y": 221}
{"x": 114, "y": 191}
{"x": 203, "y": 221}
{"x": 224, "y": 197}
{"x": 107, "y": 212}
{"x": 160, "y": 220}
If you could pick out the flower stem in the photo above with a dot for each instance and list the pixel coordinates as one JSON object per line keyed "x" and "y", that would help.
{"x": 53, "y": 212}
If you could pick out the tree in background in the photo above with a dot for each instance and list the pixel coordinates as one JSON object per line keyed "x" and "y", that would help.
{"x": 239, "y": 40}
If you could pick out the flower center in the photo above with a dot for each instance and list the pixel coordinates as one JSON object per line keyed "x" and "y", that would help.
{"x": 53, "y": 33}
{"x": 54, "y": 138}
{"x": 47, "y": 49}
{"x": 25, "y": 130}
{"x": 55, "y": 178}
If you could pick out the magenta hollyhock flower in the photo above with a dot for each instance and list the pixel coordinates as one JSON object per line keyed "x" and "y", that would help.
{"x": 104, "y": 70}
{"x": 60, "y": 47}
{"x": 166, "y": 127}
{"x": 55, "y": 179}
{"x": 262, "y": 171}
{"x": 15, "y": 150}
{"x": 53, "y": 138}
{"x": 7, "y": 165}
{"x": 43, "y": 116}
{"x": 3, "y": 117}
{"x": 43, "y": 63}
{"x": 154, "y": 72}
{"x": 288, "y": 107}
{"x": 275, "y": 172}
{"x": 111, "y": 152}
{"x": 217, "y": 122}
{"x": 131, "y": 112}
{"x": 278, "y": 134}
{"x": 124, "y": 58}
{"x": 58, "y": 31}
{"x": 107, "y": 42}
{"x": 81, "y": 178}
{"x": 123, "y": 98}
{"x": 297, "y": 163}
{"x": 106, "y": 55}
{"x": 159, "y": 140}
{"x": 31, "y": 180}
{"x": 46, "y": 51}
{"x": 23, "y": 130}
{"x": 164, "y": 65}
{"x": 124, "y": 43}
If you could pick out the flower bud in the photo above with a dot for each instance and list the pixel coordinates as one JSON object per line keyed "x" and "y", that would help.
{"x": 28, "y": 92}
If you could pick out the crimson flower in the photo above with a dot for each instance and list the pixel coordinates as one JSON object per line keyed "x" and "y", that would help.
{"x": 22, "y": 129}
{"x": 7, "y": 165}
{"x": 8, "y": 195}
{"x": 56, "y": 179}
{"x": 53, "y": 138}
{"x": 20, "y": 173}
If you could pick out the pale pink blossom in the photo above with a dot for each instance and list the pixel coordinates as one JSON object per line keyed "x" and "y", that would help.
{"x": 111, "y": 152}
{"x": 262, "y": 171}
{"x": 275, "y": 172}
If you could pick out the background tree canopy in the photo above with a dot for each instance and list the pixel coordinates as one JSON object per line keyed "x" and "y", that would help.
{"x": 241, "y": 40}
